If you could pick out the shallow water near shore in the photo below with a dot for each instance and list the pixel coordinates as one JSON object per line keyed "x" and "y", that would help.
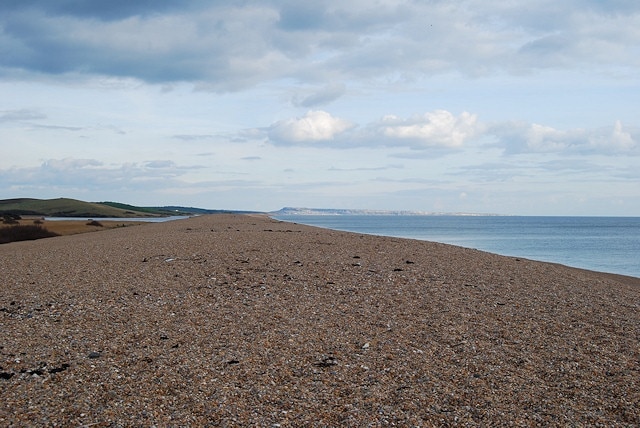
{"x": 605, "y": 244}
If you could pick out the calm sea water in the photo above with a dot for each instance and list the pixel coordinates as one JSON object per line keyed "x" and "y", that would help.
{"x": 606, "y": 244}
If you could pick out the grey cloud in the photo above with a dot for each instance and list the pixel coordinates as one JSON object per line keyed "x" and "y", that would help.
{"x": 302, "y": 16}
{"x": 90, "y": 174}
{"x": 160, "y": 164}
{"x": 373, "y": 168}
{"x": 227, "y": 46}
{"x": 103, "y": 10}
{"x": 193, "y": 137}
{"x": 70, "y": 164}
{"x": 223, "y": 47}
{"x": 59, "y": 127}
{"x": 20, "y": 115}
{"x": 324, "y": 96}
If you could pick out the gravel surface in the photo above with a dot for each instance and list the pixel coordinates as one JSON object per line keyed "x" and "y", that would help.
{"x": 232, "y": 320}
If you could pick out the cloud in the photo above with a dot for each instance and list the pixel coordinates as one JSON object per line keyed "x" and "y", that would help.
{"x": 59, "y": 128}
{"x": 439, "y": 128}
{"x": 193, "y": 137}
{"x": 69, "y": 164}
{"x": 372, "y": 168}
{"x": 442, "y": 131}
{"x": 516, "y": 138}
{"x": 313, "y": 127}
{"x": 160, "y": 164}
{"x": 91, "y": 174}
{"x": 104, "y": 11}
{"x": 325, "y": 95}
{"x": 20, "y": 115}
{"x": 217, "y": 46}
{"x": 618, "y": 140}
{"x": 228, "y": 46}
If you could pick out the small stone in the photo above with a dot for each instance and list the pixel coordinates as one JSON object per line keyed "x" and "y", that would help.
{"x": 94, "y": 354}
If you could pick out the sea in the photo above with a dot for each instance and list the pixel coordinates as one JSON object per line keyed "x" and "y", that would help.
{"x": 605, "y": 244}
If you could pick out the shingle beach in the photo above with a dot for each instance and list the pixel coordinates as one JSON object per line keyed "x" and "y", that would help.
{"x": 235, "y": 320}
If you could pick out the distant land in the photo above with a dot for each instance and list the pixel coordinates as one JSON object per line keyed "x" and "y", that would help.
{"x": 66, "y": 207}
{"x": 329, "y": 211}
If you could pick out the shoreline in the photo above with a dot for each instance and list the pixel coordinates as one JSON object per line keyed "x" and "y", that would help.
{"x": 587, "y": 263}
{"x": 246, "y": 320}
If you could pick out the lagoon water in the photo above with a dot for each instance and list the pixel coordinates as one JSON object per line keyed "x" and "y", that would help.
{"x": 606, "y": 244}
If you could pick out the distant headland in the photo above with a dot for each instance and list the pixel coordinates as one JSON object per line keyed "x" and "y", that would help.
{"x": 330, "y": 211}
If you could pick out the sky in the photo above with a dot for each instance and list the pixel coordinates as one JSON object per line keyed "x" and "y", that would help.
{"x": 524, "y": 107}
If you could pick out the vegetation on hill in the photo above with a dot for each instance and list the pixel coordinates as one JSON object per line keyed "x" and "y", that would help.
{"x": 175, "y": 210}
{"x": 149, "y": 210}
{"x": 65, "y": 207}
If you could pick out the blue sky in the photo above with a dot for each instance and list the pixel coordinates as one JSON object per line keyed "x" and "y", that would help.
{"x": 520, "y": 107}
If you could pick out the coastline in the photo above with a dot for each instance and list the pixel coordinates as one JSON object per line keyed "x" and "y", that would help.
{"x": 604, "y": 244}
{"x": 246, "y": 320}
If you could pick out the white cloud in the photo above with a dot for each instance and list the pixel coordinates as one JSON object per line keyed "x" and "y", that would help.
{"x": 442, "y": 130}
{"x": 439, "y": 128}
{"x": 518, "y": 138}
{"x": 618, "y": 140}
{"x": 315, "y": 126}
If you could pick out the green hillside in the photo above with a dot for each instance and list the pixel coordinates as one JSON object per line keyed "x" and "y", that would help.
{"x": 149, "y": 210}
{"x": 64, "y": 207}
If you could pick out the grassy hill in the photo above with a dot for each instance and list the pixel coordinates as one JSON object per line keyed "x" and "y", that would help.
{"x": 152, "y": 211}
{"x": 65, "y": 207}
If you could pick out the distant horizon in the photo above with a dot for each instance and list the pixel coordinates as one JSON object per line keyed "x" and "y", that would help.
{"x": 302, "y": 210}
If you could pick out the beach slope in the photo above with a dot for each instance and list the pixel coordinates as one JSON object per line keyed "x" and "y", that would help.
{"x": 232, "y": 320}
